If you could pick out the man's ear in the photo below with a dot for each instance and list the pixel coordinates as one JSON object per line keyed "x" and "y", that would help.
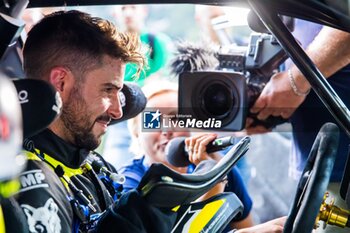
{"x": 62, "y": 79}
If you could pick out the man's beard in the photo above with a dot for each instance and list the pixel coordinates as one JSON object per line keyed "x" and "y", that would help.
{"x": 78, "y": 123}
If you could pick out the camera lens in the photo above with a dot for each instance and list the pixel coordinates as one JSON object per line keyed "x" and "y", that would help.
{"x": 217, "y": 100}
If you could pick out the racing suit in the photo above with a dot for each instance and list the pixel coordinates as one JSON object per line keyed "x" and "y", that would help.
{"x": 59, "y": 194}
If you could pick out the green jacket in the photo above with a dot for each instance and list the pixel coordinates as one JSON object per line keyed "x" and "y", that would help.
{"x": 159, "y": 45}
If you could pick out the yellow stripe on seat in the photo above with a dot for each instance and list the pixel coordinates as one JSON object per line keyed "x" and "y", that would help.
{"x": 205, "y": 215}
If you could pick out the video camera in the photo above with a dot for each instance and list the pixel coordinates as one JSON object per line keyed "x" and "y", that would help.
{"x": 227, "y": 92}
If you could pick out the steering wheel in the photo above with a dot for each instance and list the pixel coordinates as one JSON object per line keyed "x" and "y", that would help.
{"x": 314, "y": 181}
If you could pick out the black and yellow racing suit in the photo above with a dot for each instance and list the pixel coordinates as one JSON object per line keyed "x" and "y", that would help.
{"x": 48, "y": 201}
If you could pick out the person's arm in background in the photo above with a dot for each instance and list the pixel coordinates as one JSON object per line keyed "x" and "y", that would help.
{"x": 330, "y": 51}
{"x": 273, "y": 226}
{"x": 236, "y": 185}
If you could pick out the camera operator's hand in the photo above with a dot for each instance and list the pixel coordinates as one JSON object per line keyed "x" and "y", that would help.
{"x": 251, "y": 129}
{"x": 197, "y": 145}
{"x": 278, "y": 97}
{"x": 273, "y": 226}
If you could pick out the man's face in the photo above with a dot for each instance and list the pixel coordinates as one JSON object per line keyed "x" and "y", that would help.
{"x": 93, "y": 103}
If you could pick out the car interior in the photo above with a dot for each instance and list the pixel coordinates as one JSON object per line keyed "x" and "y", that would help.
{"x": 260, "y": 55}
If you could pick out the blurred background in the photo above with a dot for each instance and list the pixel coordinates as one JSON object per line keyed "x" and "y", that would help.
{"x": 265, "y": 168}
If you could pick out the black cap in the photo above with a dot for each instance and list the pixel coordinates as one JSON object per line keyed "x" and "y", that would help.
{"x": 133, "y": 101}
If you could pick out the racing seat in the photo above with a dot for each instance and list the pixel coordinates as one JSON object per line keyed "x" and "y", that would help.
{"x": 211, "y": 215}
{"x": 164, "y": 187}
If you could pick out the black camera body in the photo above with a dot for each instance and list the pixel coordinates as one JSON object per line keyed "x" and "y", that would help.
{"x": 227, "y": 93}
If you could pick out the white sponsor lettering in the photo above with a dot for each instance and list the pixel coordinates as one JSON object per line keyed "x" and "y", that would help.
{"x": 23, "y": 96}
{"x": 191, "y": 123}
{"x": 32, "y": 179}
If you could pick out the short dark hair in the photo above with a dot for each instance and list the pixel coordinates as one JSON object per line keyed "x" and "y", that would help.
{"x": 78, "y": 41}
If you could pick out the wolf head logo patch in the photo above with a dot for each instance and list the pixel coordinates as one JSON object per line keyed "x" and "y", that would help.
{"x": 43, "y": 219}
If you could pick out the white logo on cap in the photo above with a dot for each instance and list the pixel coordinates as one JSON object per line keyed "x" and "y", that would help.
{"x": 23, "y": 96}
{"x": 122, "y": 99}
{"x": 58, "y": 106}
